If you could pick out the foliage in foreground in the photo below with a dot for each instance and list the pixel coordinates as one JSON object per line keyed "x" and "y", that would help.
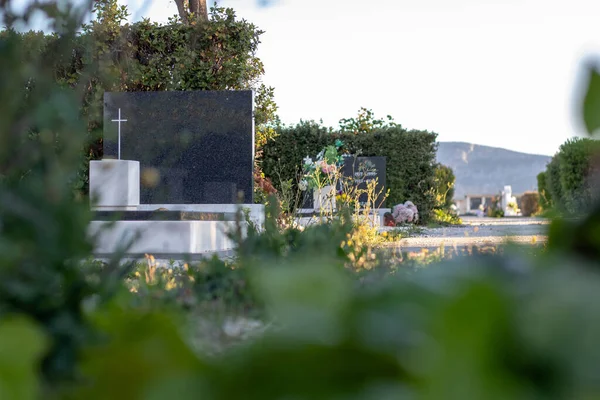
{"x": 511, "y": 327}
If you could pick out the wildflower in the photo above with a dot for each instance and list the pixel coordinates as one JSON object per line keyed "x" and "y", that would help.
{"x": 171, "y": 285}
{"x": 308, "y": 161}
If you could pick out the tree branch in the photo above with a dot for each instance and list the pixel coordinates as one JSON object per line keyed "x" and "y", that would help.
{"x": 182, "y": 11}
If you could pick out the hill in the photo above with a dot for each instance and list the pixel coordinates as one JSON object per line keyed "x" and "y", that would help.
{"x": 485, "y": 170}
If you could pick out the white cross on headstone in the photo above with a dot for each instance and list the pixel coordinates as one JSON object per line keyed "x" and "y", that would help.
{"x": 119, "y": 120}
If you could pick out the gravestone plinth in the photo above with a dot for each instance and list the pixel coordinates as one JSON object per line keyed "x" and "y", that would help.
{"x": 196, "y": 146}
{"x": 115, "y": 184}
{"x": 195, "y": 158}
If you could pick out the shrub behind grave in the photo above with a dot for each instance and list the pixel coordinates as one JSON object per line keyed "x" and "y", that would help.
{"x": 110, "y": 55}
{"x": 553, "y": 182}
{"x": 575, "y": 171}
{"x": 566, "y": 182}
{"x": 544, "y": 192}
{"x": 410, "y": 158}
{"x": 530, "y": 203}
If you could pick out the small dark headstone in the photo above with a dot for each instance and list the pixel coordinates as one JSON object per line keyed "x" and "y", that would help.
{"x": 358, "y": 170}
{"x": 199, "y": 144}
{"x": 307, "y": 200}
{"x": 361, "y": 170}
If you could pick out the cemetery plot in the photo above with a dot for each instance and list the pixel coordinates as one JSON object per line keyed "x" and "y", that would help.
{"x": 358, "y": 172}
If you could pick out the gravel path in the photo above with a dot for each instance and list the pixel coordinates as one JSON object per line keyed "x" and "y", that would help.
{"x": 480, "y": 232}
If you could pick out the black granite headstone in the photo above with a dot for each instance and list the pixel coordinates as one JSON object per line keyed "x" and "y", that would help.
{"x": 307, "y": 199}
{"x": 361, "y": 170}
{"x": 198, "y": 144}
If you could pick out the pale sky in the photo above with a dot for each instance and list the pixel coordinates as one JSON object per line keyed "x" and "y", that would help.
{"x": 497, "y": 73}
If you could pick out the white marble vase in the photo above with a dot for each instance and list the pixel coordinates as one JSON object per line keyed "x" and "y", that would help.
{"x": 324, "y": 199}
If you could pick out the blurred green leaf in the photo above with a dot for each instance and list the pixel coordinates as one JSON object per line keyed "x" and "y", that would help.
{"x": 591, "y": 103}
{"x": 144, "y": 354}
{"x": 463, "y": 357}
{"x": 307, "y": 297}
{"x": 22, "y": 345}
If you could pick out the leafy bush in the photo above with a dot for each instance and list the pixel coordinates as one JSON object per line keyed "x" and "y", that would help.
{"x": 212, "y": 281}
{"x": 444, "y": 187}
{"x": 553, "y": 183}
{"x": 365, "y": 122}
{"x": 43, "y": 240}
{"x": 530, "y": 204}
{"x": 410, "y": 158}
{"x": 445, "y": 217}
{"x": 544, "y": 192}
{"x": 108, "y": 55}
{"x": 568, "y": 181}
{"x": 575, "y": 172}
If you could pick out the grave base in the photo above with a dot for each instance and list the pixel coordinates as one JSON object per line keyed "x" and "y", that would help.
{"x": 256, "y": 212}
{"x": 162, "y": 238}
{"x": 307, "y": 216}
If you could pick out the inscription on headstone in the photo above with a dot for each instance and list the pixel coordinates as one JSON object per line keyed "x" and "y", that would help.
{"x": 200, "y": 144}
{"x": 361, "y": 170}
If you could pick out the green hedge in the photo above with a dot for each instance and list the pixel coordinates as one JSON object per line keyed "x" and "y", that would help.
{"x": 110, "y": 55}
{"x": 566, "y": 181}
{"x": 553, "y": 182}
{"x": 410, "y": 158}
{"x": 545, "y": 196}
{"x": 444, "y": 187}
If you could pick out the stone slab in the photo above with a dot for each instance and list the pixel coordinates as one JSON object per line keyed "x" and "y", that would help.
{"x": 194, "y": 147}
{"x": 256, "y": 211}
{"x": 307, "y": 217}
{"x": 162, "y": 237}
